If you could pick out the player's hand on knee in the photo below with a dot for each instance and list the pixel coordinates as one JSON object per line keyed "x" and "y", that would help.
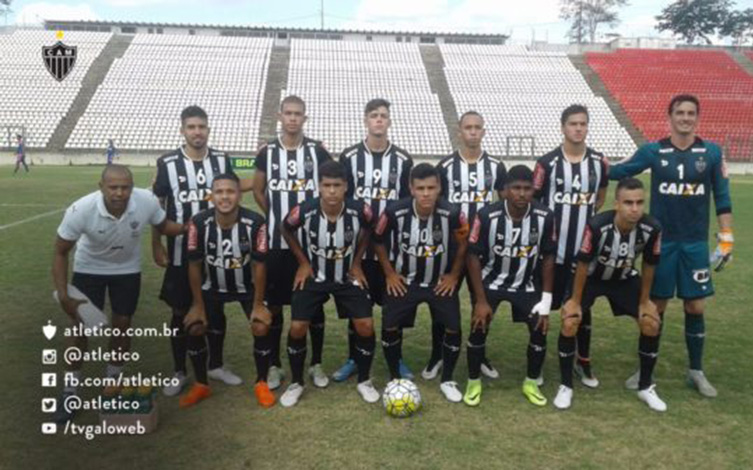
{"x": 395, "y": 285}
{"x": 446, "y": 285}
{"x": 196, "y": 316}
{"x": 303, "y": 273}
{"x": 571, "y": 309}
{"x": 543, "y": 324}
{"x": 357, "y": 276}
{"x": 649, "y": 319}
{"x": 482, "y": 316}
{"x": 261, "y": 314}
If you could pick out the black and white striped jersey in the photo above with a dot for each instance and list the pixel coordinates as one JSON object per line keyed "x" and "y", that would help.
{"x": 612, "y": 254}
{"x": 227, "y": 253}
{"x": 509, "y": 251}
{"x": 186, "y": 187}
{"x": 421, "y": 250}
{"x": 292, "y": 178}
{"x": 570, "y": 191}
{"x": 330, "y": 246}
{"x": 471, "y": 186}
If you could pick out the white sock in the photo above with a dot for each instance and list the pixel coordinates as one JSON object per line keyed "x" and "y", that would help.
{"x": 113, "y": 371}
{"x": 69, "y": 388}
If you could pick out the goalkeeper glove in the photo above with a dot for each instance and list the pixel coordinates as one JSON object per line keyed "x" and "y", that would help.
{"x": 544, "y": 306}
{"x": 723, "y": 253}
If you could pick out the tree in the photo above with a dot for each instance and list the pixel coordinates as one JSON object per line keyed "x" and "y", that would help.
{"x": 738, "y": 26}
{"x": 694, "y": 19}
{"x": 5, "y": 9}
{"x": 588, "y": 15}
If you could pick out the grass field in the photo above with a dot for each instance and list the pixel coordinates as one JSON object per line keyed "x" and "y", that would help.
{"x": 333, "y": 428}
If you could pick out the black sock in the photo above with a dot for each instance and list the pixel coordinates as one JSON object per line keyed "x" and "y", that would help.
{"x": 648, "y": 352}
{"x": 262, "y": 353}
{"x": 437, "y": 340}
{"x": 297, "y": 356}
{"x": 695, "y": 335}
{"x": 476, "y": 352}
{"x": 316, "y": 330}
{"x": 351, "y": 341}
{"x": 365, "y": 346}
{"x": 584, "y": 342}
{"x": 275, "y": 338}
{"x": 391, "y": 341}
{"x": 536, "y": 351}
{"x": 197, "y": 351}
{"x": 450, "y": 354}
{"x": 216, "y": 338}
{"x": 566, "y": 346}
{"x": 178, "y": 343}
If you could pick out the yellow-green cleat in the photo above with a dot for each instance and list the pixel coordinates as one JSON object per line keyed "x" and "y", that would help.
{"x": 472, "y": 395}
{"x": 532, "y": 392}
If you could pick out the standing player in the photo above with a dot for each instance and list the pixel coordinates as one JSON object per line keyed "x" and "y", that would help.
{"x": 286, "y": 175}
{"x": 20, "y": 154}
{"x": 183, "y": 185}
{"x": 379, "y": 174}
{"x": 110, "y": 151}
{"x": 507, "y": 240}
{"x": 684, "y": 171}
{"x": 612, "y": 243}
{"x": 428, "y": 241}
{"x": 572, "y": 181}
{"x": 226, "y": 245}
{"x": 470, "y": 177}
{"x": 335, "y": 233}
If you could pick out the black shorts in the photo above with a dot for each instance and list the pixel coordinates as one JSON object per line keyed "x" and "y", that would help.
{"x": 522, "y": 303}
{"x": 375, "y": 277}
{"x": 176, "y": 290}
{"x": 123, "y": 290}
{"x": 623, "y": 296}
{"x": 400, "y": 312}
{"x": 351, "y": 301}
{"x": 214, "y": 305}
{"x": 563, "y": 280}
{"x": 281, "y": 269}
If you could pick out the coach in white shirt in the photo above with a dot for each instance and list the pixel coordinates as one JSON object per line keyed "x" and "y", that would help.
{"x": 106, "y": 227}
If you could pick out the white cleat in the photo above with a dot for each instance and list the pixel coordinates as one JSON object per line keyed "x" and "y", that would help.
{"x": 649, "y": 397}
{"x": 291, "y": 395}
{"x": 224, "y": 375}
{"x": 540, "y": 379}
{"x": 564, "y": 398}
{"x": 632, "y": 382}
{"x": 431, "y": 374}
{"x": 489, "y": 371}
{"x": 697, "y": 379}
{"x": 451, "y": 392}
{"x": 318, "y": 376}
{"x": 367, "y": 391}
{"x": 590, "y": 382}
{"x": 174, "y": 390}
{"x": 275, "y": 376}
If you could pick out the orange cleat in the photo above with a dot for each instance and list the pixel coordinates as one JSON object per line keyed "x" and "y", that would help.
{"x": 197, "y": 393}
{"x": 264, "y": 396}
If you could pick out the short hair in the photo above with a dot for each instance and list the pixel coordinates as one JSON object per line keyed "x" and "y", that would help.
{"x": 519, "y": 173}
{"x": 293, "y": 99}
{"x": 193, "y": 111}
{"x": 376, "y": 103}
{"x": 226, "y": 176}
{"x": 469, "y": 113}
{"x": 116, "y": 168}
{"x": 423, "y": 171}
{"x": 677, "y": 99}
{"x": 628, "y": 184}
{"x": 573, "y": 109}
{"x": 332, "y": 169}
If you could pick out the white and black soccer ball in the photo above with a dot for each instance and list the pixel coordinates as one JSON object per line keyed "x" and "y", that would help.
{"x": 401, "y": 398}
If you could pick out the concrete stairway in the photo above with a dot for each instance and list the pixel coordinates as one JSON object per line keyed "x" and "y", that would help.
{"x": 277, "y": 80}
{"x": 742, "y": 60}
{"x": 434, "y": 64}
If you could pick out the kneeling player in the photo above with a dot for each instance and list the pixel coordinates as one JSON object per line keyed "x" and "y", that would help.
{"x": 225, "y": 245}
{"x": 428, "y": 239}
{"x": 506, "y": 242}
{"x": 335, "y": 232}
{"x": 612, "y": 241}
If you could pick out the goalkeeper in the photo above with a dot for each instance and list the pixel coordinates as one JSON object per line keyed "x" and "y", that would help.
{"x": 684, "y": 172}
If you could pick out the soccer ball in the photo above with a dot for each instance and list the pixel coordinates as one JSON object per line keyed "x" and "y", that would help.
{"x": 401, "y": 398}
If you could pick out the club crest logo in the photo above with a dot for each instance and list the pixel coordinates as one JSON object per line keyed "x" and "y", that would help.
{"x": 700, "y": 165}
{"x": 59, "y": 58}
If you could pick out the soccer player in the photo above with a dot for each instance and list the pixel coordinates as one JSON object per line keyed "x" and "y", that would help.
{"x": 183, "y": 184}
{"x": 335, "y": 233}
{"x": 685, "y": 170}
{"x": 506, "y": 242}
{"x": 287, "y": 175}
{"x": 572, "y": 181}
{"x": 428, "y": 239}
{"x": 611, "y": 244}
{"x": 379, "y": 175}
{"x": 226, "y": 249}
{"x": 110, "y": 151}
{"x": 470, "y": 177}
{"x": 20, "y": 154}
{"x": 105, "y": 227}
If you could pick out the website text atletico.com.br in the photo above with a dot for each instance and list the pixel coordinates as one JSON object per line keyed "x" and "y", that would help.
{"x": 131, "y": 332}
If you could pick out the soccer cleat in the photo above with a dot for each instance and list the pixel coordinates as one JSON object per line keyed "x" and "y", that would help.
{"x": 343, "y": 373}
{"x": 368, "y": 392}
{"x": 430, "y": 372}
{"x": 649, "y": 397}
{"x": 632, "y": 382}
{"x": 586, "y": 376}
{"x": 318, "y": 376}
{"x": 180, "y": 381}
{"x": 224, "y": 375}
{"x": 472, "y": 395}
{"x": 291, "y": 395}
{"x": 532, "y": 393}
{"x": 275, "y": 376}
{"x": 61, "y": 416}
{"x": 540, "y": 379}
{"x": 451, "y": 392}
{"x": 564, "y": 398}
{"x": 488, "y": 369}
{"x": 264, "y": 396}
{"x": 405, "y": 372}
{"x": 698, "y": 380}
{"x": 198, "y": 392}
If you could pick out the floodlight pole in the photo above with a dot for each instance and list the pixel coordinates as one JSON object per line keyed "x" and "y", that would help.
{"x": 321, "y": 11}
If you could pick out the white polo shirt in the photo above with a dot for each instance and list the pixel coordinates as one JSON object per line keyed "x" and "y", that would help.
{"x": 108, "y": 245}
